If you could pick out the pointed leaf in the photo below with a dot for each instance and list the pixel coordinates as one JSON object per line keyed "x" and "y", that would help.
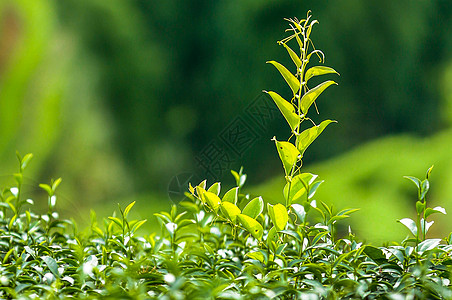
{"x": 231, "y": 195}
{"x": 215, "y": 188}
{"x": 287, "y": 110}
{"x": 296, "y": 60}
{"x": 415, "y": 180}
{"x": 230, "y": 210}
{"x": 288, "y": 154}
{"x": 298, "y": 187}
{"x": 309, "y": 135}
{"x": 272, "y": 236}
{"x": 278, "y": 215}
{"x": 410, "y": 224}
{"x": 52, "y": 265}
{"x": 212, "y": 200}
{"x": 291, "y": 80}
{"x": 257, "y": 255}
{"x": 254, "y": 208}
{"x": 435, "y": 210}
{"x": 299, "y": 212}
{"x": 251, "y": 225}
{"x": 425, "y": 226}
{"x": 308, "y": 99}
{"x": 318, "y": 70}
{"x": 428, "y": 245}
{"x": 128, "y": 208}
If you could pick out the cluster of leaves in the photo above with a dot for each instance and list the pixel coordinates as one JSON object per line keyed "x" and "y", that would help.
{"x": 224, "y": 245}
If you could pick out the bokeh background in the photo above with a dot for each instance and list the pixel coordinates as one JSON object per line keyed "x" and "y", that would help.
{"x": 119, "y": 97}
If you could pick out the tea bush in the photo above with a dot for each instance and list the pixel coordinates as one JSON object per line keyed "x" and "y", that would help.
{"x": 225, "y": 244}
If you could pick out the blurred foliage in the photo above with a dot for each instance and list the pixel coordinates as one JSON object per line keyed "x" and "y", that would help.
{"x": 119, "y": 96}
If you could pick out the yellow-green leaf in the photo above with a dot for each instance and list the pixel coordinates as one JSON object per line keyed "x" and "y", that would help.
{"x": 251, "y": 225}
{"x": 296, "y": 60}
{"x": 230, "y": 210}
{"x": 257, "y": 255}
{"x": 212, "y": 200}
{"x": 128, "y": 208}
{"x": 309, "y": 135}
{"x": 288, "y": 154}
{"x": 308, "y": 99}
{"x": 215, "y": 188}
{"x": 231, "y": 195}
{"x": 318, "y": 70}
{"x": 287, "y": 110}
{"x": 298, "y": 187}
{"x": 278, "y": 215}
{"x": 254, "y": 208}
{"x": 291, "y": 80}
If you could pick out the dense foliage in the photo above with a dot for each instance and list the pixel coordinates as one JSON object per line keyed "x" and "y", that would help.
{"x": 225, "y": 245}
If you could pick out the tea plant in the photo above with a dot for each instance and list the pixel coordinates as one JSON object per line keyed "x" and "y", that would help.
{"x": 225, "y": 244}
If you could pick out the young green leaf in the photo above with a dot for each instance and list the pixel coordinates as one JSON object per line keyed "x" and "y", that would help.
{"x": 215, "y": 188}
{"x": 231, "y": 195}
{"x": 288, "y": 154}
{"x": 296, "y": 60}
{"x": 272, "y": 236}
{"x": 298, "y": 187}
{"x": 212, "y": 200}
{"x": 287, "y": 110}
{"x": 251, "y": 225}
{"x": 278, "y": 215}
{"x": 437, "y": 209}
{"x": 308, "y": 99}
{"x": 254, "y": 208}
{"x": 291, "y": 80}
{"x": 128, "y": 208}
{"x": 230, "y": 210}
{"x": 427, "y": 245}
{"x": 52, "y": 265}
{"x": 318, "y": 70}
{"x": 410, "y": 224}
{"x": 309, "y": 135}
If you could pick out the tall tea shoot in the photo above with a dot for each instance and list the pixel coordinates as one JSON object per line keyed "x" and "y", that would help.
{"x": 300, "y": 187}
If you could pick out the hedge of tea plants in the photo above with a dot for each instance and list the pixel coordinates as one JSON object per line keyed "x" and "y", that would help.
{"x": 224, "y": 244}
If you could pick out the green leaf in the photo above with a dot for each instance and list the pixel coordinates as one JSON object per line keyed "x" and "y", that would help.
{"x": 215, "y": 188}
{"x": 308, "y": 99}
{"x": 272, "y": 236}
{"x": 25, "y": 160}
{"x": 128, "y": 208}
{"x": 318, "y": 70}
{"x": 425, "y": 186}
{"x": 278, "y": 215}
{"x": 296, "y": 60}
{"x": 410, "y": 224}
{"x": 55, "y": 184}
{"x": 137, "y": 225}
{"x": 251, "y": 225}
{"x": 298, "y": 187}
{"x": 420, "y": 206}
{"x": 117, "y": 221}
{"x": 429, "y": 211}
{"x": 299, "y": 212}
{"x": 425, "y": 226}
{"x": 415, "y": 180}
{"x": 212, "y": 200}
{"x": 46, "y": 188}
{"x": 231, "y": 195}
{"x": 375, "y": 254}
{"x": 287, "y": 110}
{"x": 254, "y": 208}
{"x": 288, "y": 154}
{"x": 427, "y": 245}
{"x": 230, "y": 210}
{"x": 309, "y": 135}
{"x": 257, "y": 255}
{"x": 291, "y": 80}
{"x": 52, "y": 265}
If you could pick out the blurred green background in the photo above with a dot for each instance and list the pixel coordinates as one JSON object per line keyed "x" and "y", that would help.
{"x": 118, "y": 97}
